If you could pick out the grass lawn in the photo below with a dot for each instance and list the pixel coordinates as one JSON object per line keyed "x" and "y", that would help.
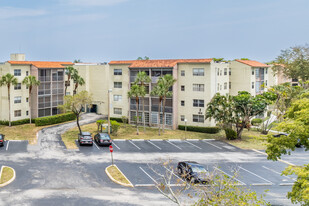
{"x": 250, "y": 139}
{"x": 117, "y": 175}
{"x": 21, "y": 132}
{"x": 7, "y": 174}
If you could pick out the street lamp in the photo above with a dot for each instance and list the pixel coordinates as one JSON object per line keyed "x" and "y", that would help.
{"x": 185, "y": 128}
{"x": 109, "y": 108}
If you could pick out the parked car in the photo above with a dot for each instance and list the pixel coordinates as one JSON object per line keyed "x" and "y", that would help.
{"x": 103, "y": 139}
{"x": 193, "y": 172}
{"x": 298, "y": 144}
{"x": 85, "y": 138}
{"x": 1, "y": 139}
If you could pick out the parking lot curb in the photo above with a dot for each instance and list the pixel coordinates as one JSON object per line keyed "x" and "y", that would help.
{"x": 11, "y": 180}
{"x": 116, "y": 181}
{"x": 280, "y": 160}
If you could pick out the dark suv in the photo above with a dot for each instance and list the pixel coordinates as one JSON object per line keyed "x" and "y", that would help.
{"x": 85, "y": 138}
{"x": 103, "y": 139}
{"x": 1, "y": 139}
{"x": 193, "y": 171}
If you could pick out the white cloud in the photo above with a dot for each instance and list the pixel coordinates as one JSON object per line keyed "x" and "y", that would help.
{"x": 12, "y": 12}
{"x": 93, "y": 2}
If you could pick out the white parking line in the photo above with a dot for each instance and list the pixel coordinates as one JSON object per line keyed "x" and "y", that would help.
{"x": 121, "y": 140}
{"x": 144, "y": 185}
{"x": 173, "y": 144}
{"x": 138, "y": 140}
{"x": 116, "y": 145}
{"x": 286, "y": 184}
{"x": 256, "y": 175}
{"x": 96, "y": 145}
{"x": 7, "y": 145}
{"x": 261, "y": 184}
{"x": 278, "y": 173}
{"x": 154, "y": 145}
{"x": 242, "y": 183}
{"x": 206, "y": 141}
{"x": 192, "y": 144}
{"x": 149, "y": 176}
{"x": 192, "y": 139}
{"x": 134, "y": 145}
{"x": 156, "y": 140}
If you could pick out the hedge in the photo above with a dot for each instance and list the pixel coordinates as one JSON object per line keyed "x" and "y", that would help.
{"x": 210, "y": 130}
{"x": 59, "y": 118}
{"x": 116, "y": 119}
{"x": 256, "y": 121}
{"x": 230, "y": 134}
{"x": 17, "y": 122}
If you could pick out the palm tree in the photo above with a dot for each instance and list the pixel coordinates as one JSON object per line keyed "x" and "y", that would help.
{"x": 9, "y": 80}
{"x": 78, "y": 80}
{"x": 135, "y": 92}
{"x": 167, "y": 82}
{"x": 158, "y": 91}
{"x": 70, "y": 71}
{"x": 142, "y": 79}
{"x": 30, "y": 82}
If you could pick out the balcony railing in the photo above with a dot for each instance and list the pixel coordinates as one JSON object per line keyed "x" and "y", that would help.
{"x": 44, "y": 78}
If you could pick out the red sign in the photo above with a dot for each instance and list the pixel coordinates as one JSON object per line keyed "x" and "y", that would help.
{"x": 111, "y": 149}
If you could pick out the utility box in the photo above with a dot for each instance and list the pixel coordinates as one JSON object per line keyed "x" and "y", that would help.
{"x": 105, "y": 128}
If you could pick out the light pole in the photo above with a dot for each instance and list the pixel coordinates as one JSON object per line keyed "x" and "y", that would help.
{"x": 109, "y": 108}
{"x": 185, "y": 128}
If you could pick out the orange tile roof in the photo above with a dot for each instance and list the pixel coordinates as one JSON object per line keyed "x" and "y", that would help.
{"x": 162, "y": 63}
{"x": 252, "y": 63}
{"x": 42, "y": 64}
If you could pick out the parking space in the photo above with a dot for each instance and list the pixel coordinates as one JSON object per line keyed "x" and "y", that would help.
{"x": 298, "y": 157}
{"x": 14, "y": 146}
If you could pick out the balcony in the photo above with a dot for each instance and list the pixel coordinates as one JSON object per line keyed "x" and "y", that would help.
{"x": 44, "y": 78}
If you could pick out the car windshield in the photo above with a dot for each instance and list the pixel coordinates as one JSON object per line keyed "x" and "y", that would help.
{"x": 198, "y": 169}
{"x": 104, "y": 136}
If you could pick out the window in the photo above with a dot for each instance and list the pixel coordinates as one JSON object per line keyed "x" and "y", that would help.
{"x": 27, "y": 113}
{"x": 27, "y": 73}
{"x": 117, "y": 71}
{"x": 118, "y": 85}
{"x": 265, "y": 82}
{"x": 17, "y": 113}
{"x": 198, "y": 72}
{"x": 68, "y": 93}
{"x": 230, "y": 71}
{"x": 117, "y": 98}
{"x": 182, "y": 88}
{"x": 252, "y": 85}
{"x": 266, "y": 71}
{"x": 182, "y": 103}
{"x": 183, "y": 73}
{"x": 198, "y": 118}
{"x": 198, "y": 87}
{"x": 27, "y": 99}
{"x": 182, "y": 118}
{"x": 198, "y": 103}
{"x": 252, "y": 71}
{"x": 220, "y": 72}
{"x": 18, "y": 86}
{"x": 218, "y": 87}
{"x": 118, "y": 111}
{"x": 230, "y": 85}
{"x": 17, "y": 100}
{"x": 17, "y": 72}
{"x": 225, "y": 71}
{"x": 225, "y": 85}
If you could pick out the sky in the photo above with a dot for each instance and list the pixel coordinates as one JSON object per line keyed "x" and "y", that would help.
{"x": 105, "y": 30}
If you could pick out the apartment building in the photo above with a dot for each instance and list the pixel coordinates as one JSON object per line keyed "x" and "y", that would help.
{"x": 45, "y": 98}
{"x": 248, "y": 75}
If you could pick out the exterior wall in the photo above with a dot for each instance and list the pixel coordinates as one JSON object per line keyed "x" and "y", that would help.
{"x": 34, "y": 94}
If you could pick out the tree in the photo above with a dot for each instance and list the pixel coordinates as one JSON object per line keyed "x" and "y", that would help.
{"x": 158, "y": 91}
{"x": 70, "y": 71}
{"x": 76, "y": 104}
{"x": 77, "y": 61}
{"x": 167, "y": 81}
{"x": 78, "y": 80}
{"x": 141, "y": 58}
{"x": 9, "y": 80}
{"x": 30, "y": 82}
{"x": 296, "y": 124}
{"x": 135, "y": 92}
{"x": 142, "y": 79}
{"x": 294, "y": 62}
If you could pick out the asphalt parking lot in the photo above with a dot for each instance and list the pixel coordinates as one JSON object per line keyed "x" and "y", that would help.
{"x": 14, "y": 146}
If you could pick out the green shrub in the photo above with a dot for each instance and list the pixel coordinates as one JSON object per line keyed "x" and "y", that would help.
{"x": 59, "y": 118}
{"x": 116, "y": 119}
{"x": 230, "y": 134}
{"x": 210, "y": 130}
{"x": 115, "y": 127}
{"x": 17, "y": 122}
{"x": 256, "y": 121}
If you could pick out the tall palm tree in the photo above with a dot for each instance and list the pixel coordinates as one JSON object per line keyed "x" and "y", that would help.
{"x": 135, "y": 92}
{"x": 70, "y": 71}
{"x": 158, "y": 91}
{"x": 30, "y": 82}
{"x": 167, "y": 82}
{"x": 78, "y": 80}
{"x": 9, "y": 80}
{"x": 142, "y": 79}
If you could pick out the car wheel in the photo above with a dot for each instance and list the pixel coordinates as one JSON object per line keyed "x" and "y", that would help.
{"x": 80, "y": 144}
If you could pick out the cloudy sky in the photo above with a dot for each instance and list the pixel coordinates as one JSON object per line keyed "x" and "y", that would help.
{"x": 104, "y": 30}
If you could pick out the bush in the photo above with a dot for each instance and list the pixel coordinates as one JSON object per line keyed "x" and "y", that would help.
{"x": 115, "y": 127}
{"x": 210, "y": 130}
{"x": 17, "y": 122}
{"x": 256, "y": 121}
{"x": 59, "y": 118}
{"x": 230, "y": 134}
{"x": 117, "y": 119}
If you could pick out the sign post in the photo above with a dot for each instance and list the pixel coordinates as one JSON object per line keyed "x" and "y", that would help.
{"x": 111, "y": 149}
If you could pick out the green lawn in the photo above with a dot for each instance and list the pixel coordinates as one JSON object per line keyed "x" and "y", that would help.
{"x": 7, "y": 174}
{"x": 250, "y": 140}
